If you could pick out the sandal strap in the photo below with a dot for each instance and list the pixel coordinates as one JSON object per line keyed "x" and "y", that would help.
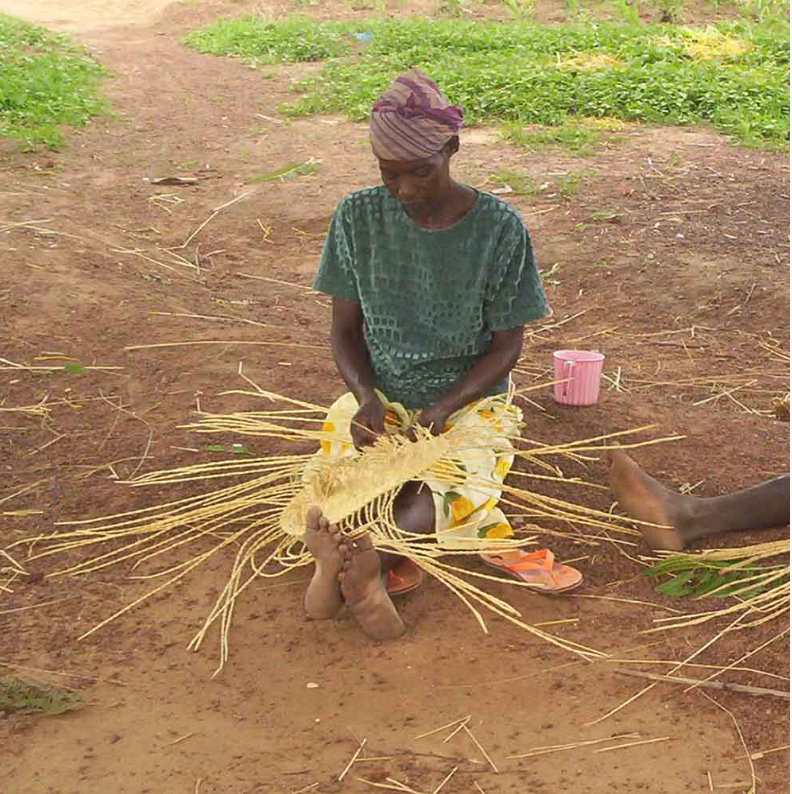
{"x": 544, "y": 559}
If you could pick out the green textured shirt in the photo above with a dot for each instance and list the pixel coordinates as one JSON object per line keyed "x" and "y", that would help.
{"x": 431, "y": 298}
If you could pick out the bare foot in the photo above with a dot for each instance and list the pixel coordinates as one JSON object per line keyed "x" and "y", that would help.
{"x": 323, "y": 598}
{"x": 365, "y": 593}
{"x": 642, "y": 497}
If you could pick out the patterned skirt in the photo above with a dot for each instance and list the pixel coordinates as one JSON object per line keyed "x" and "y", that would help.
{"x": 464, "y": 514}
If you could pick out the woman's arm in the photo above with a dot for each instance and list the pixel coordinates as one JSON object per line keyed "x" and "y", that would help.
{"x": 488, "y": 371}
{"x": 352, "y": 360}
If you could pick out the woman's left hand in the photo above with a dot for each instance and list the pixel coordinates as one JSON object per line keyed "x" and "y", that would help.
{"x": 433, "y": 418}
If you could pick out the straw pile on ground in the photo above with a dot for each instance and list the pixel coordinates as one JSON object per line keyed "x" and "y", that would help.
{"x": 260, "y": 516}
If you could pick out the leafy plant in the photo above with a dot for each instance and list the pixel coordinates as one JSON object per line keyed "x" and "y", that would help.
{"x": 629, "y": 11}
{"x": 521, "y": 184}
{"x": 671, "y": 10}
{"x": 574, "y": 137}
{"x": 520, "y": 9}
{"x": 45, "y": 82}
{"x": 451, "y": 8}
{"x": 695, "y": 576}
{"x": 760, "y": 10}
{"x": 21, "y": 697}
{"x": 604, "y": 216}
{"x": 253, "y": 39}
{"x": 568, "y": 184}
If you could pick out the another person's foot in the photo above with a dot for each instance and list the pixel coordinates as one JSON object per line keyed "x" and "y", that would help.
{"x": 323, "y": 598}
{"x": 365, "y": 593}
{"x": 643, "y": 498}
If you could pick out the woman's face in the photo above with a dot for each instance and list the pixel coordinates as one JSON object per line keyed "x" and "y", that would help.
{"x": 417, "y": 183}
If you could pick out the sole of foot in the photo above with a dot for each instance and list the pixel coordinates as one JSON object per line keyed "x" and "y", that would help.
{"x": 323, "y": 598}
{"x": 365, "y": 593}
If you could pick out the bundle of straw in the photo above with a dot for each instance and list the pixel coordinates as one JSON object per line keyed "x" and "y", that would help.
{"x": 262, "y": 514}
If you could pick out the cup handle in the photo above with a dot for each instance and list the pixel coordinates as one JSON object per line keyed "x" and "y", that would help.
{"x": 568, "y": 364}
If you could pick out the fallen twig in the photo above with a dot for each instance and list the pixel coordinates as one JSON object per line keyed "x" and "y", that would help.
{"x": 748, "y": 690}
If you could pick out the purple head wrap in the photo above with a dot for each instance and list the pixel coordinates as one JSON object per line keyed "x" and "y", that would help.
{"x": 412, "y": 120}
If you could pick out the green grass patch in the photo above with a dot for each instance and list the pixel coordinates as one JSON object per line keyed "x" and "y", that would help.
{"x": 578, "y": 137}
{"x": 737, "y": 78}
{"x": 256, "y": 41}
{"x": 22, "y": 697}
{"x": 45, "y": 82}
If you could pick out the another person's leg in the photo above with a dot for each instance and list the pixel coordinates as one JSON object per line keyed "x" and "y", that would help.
{"x": 688, "y": 518}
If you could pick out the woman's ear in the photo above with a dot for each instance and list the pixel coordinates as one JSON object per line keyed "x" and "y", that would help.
{"x": 452, "y": 146}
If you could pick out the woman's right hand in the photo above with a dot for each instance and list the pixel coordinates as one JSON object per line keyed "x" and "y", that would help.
{"x": 368, "y": 423}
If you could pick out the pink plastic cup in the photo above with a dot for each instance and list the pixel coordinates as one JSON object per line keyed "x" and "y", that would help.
{"x": 581, "y": 371}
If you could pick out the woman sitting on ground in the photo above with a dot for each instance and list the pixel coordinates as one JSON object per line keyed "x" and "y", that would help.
{"x": 432, "y": 283}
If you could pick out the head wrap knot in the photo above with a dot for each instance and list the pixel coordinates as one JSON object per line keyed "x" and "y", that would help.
{"x": 412, "y": 120}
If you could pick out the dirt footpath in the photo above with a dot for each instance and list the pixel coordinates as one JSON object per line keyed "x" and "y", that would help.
{"x": 668, "y": 251}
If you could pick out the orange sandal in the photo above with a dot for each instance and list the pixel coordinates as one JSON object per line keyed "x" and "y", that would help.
{"x": 538, "y": 569}
{"x": 404, "y": 577}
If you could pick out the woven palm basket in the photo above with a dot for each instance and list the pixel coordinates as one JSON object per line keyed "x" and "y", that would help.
{"x": 261, "y": 515}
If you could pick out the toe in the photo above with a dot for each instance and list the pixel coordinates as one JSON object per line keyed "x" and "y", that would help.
{"x": 314, "y": 518}
{"x": 364, "y": 543}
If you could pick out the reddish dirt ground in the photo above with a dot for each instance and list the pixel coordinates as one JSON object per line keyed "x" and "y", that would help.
{"x": 667, "y": 250}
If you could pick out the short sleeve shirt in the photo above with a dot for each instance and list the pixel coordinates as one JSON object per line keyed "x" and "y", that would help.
{"x": 431, "y": 298}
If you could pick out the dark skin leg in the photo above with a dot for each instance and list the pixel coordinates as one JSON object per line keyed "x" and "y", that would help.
{"x": 689, "y": 518}
{"x": 414, "y": 512}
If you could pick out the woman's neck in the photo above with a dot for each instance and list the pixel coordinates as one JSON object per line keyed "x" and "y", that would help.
{"x": 446, "y": 210}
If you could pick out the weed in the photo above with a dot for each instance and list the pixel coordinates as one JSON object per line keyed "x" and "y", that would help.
{"x": 46, "y": 82}
{"x": 251, "y": 38}
{"x": 671, "y": 10}
{"x": 569, "y": 183}
{"x": 760, "y": 10}
{"x": 451, "y": 8}
{"x": 675, "y": 160}
{"x": 629, "y": 12}
{"x": 547, "y": 278}
{"x": 291, "y": 171}
{"x": 604, "y": 216}
{"x": 366, "y": 5}
{"x": 520, "y": 9}
{"x": 21, "y": 697}
{"x": 576, "y": 138}
{"x": 521, "y": 184}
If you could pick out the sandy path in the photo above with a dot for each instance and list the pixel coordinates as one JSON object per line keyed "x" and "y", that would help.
{"x": 85, "y": 15}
